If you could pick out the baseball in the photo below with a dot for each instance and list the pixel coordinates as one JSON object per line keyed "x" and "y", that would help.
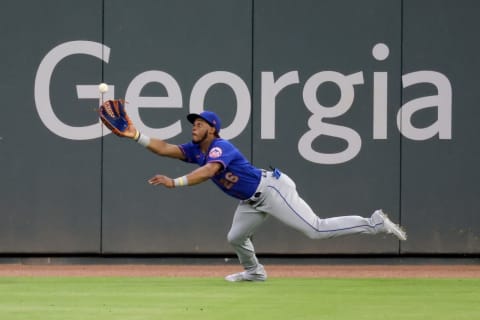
{"x": 103, "y": 87}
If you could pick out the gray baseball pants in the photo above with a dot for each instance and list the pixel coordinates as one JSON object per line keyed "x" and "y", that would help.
{"x": 279, "y": 198}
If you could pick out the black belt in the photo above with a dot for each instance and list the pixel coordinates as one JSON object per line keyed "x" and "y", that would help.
{"x": 254, "y": 199}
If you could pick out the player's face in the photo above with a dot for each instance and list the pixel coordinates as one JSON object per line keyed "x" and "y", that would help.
{"x": 200, "y": 131}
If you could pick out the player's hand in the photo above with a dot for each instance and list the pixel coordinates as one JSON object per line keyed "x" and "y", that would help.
{"x": 114, "y": 117}
{"x": 161, "y": 180}
{"x": 130, "y": 132}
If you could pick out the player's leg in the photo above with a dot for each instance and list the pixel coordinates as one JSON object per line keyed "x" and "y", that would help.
{"x": 283, "y": 202}
{"x": 245, "y": 221}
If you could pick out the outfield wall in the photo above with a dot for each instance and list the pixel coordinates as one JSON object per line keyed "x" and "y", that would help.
{"x": 366, "y": 104}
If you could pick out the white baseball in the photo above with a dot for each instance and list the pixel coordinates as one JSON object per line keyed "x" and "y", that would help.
{"x": 103, "y": 87}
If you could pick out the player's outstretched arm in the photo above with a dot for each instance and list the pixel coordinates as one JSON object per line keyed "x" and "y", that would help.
{"x": 115, "y": 117}
{"x": 165, "y": 149}
{"x": 195, "y": 177}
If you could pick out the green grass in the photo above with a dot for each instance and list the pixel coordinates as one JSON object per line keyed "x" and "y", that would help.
{"x": 211, "y": 298}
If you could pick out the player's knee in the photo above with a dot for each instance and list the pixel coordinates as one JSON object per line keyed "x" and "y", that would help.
{"x": 234, "y": 238}
{"x": 316, "y": 235}
{"x": 312, "y": 235}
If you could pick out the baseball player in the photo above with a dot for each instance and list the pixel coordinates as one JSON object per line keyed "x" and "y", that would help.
{"x": 261, "y": 192}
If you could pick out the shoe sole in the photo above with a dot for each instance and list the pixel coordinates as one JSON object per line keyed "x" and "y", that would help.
{"x": 393, "y": 228}
{"x": 238, "y": 277}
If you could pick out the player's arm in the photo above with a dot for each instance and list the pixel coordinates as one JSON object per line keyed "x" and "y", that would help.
{"x": 165, "y": 149}
{"x": 197, "y": 176}
{"x": 155, "y": 145}
{"x": 114, "y": 117}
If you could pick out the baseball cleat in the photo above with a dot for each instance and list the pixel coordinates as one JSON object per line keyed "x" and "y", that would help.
{"x": 391, "y": 227}
{"x": 258, "y": 274}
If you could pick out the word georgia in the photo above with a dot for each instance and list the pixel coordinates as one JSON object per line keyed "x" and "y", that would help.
{"x": 271, "y": 86}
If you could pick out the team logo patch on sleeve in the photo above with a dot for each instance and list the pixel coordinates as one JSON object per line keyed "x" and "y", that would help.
{"x": 215, "y": 152}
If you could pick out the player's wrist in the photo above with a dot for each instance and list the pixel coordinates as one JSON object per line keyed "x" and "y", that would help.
{"x": 136, "y": 135}
{"x": 141, "y": 138}
{"x": 180, "y": 181}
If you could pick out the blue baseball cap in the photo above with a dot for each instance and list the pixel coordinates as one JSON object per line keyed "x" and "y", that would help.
{"x": 209, "y": 117}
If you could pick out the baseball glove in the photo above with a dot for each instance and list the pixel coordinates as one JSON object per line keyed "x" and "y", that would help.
{"x": 113, "y": 115}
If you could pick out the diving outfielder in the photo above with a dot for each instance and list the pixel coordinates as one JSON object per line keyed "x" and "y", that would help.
{"x": 261, "y": 192}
